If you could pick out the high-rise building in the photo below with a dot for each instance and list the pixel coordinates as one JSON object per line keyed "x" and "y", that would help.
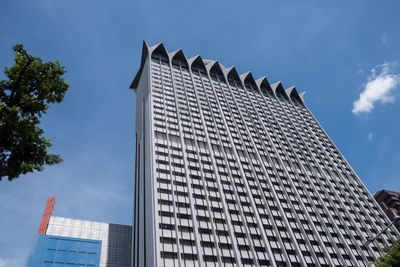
{"x": 233, "y": 171}
{"x": 390, "y": 203}
{"x": 73, "y": 242}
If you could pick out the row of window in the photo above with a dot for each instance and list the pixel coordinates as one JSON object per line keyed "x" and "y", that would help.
{"x": 245, "y": 137}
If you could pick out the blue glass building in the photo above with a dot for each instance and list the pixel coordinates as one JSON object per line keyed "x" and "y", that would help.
{"x": 52, "y": 250}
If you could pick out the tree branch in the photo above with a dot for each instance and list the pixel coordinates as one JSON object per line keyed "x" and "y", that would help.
{"x": 18, "y": 80}
{"x": 30, "y": 100}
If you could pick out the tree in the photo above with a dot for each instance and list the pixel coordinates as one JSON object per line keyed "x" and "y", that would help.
{"x": 24, "y": 97}
{"x": 391, "y": 257}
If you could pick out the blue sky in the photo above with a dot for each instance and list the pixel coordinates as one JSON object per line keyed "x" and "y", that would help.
{"x": 333, "y": 50}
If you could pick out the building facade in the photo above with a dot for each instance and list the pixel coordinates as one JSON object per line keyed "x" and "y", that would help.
{"x": 50, "y": 251}
{"x": 65, "y": 242}
{"x": 390, "y": 203}
{"x": 233, "y": 171}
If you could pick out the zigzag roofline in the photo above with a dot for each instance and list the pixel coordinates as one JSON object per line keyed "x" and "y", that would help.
{"x": 211, "y": 65}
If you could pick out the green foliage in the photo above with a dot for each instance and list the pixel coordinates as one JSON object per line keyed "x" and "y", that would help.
{"x": 391, "y": 257}
{"x": 24, "y": 97}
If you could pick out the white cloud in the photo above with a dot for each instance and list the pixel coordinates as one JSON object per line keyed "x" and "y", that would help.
{"x": 378, "y": 88}
{"x": 370, "y": 136}
{"x": 11, "y": 262}
{"x": 384, "y": 37}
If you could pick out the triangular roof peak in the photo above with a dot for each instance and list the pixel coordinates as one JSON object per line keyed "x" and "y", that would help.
{"x": 197, "y": 61}
{"x": 244, "y": 75}
{"x": 145, "y": 54}
{"x": 294, "y": 95}
{"x": 227, "y": 70}
{"x": 278, "y": 89}
{"x": 264, "y": 85}
{"x": 192, "y": 59}
{"x": 232, "y": 72}
{"x": 208, "y": 61}
{"x": 179, "y": 55}
{"x": 155, "y": 46}
{"x": 263, "y": 82}
{"x": 248, "y": 77}
{"x": 217, "y": 68}
{"x": 274, "y": 86}
{"x": 160, "y": 49}
{"x": 290, "y": 89}
{"x": 211, "y": 64}
{"x": 174, "y": 53}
